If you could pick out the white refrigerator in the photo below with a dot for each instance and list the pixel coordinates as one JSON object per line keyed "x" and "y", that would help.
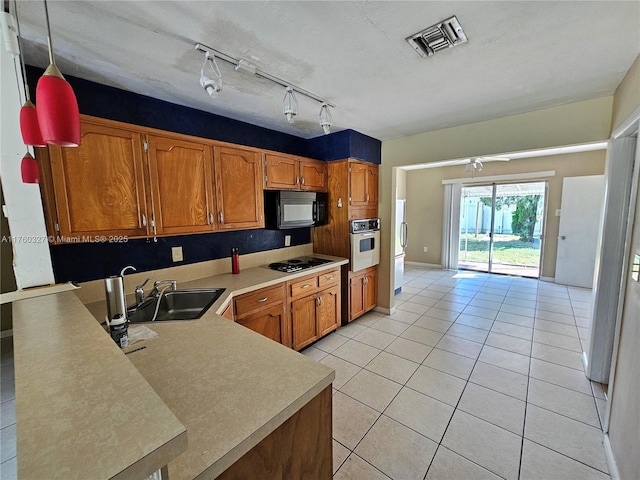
{"x": 401, "y": 232}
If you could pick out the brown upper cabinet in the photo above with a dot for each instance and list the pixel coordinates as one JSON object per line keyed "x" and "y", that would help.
{"x": 238, "y": 188}
{"x": 289, "y": 172}
{"x": 363, "y": 190}
{"x": 127, "y": 180}
{"x": 181, "y": 185}
{"x": 98, "y": 187}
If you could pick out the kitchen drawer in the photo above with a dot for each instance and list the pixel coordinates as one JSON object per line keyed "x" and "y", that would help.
{"x": 329, "y": 278}
{"x": 257, "y": 300}
{"x": 303, "y": 287}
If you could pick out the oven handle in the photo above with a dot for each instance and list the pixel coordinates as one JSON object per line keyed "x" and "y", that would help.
{"x": 315, "y": 211}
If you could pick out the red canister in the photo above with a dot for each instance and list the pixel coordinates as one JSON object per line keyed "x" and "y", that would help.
{"x": 235, "y": 260}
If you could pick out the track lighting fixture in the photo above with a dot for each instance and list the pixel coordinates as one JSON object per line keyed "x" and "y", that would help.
{"x": 290, "y": 104}
{"x": 325, "y": 118}
{"x": 211, "y": 86}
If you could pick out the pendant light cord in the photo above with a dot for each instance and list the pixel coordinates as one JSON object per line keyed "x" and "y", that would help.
{"x": 20, "y": 45}
{"x": 46, "y": 12}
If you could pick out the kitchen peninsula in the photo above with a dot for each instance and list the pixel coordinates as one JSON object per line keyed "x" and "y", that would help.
{"x": 208, "y": 397}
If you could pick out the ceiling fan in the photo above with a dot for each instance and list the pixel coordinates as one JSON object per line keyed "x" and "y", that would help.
{"x": 472, "y": 164}
{"x": 475, "y": 164}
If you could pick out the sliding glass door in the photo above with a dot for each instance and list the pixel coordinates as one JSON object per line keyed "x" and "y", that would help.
{"x": 475, "y": 228}
{"x": 501, "y": 228}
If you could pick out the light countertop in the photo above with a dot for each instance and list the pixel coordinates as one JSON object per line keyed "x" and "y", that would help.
{"x": 229, "y": 386}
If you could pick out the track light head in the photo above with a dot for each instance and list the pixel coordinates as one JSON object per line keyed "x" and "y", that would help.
{"x": 211, "y": 86}
{"x": 325, "y": 118}
{"x": 290, "y": 105}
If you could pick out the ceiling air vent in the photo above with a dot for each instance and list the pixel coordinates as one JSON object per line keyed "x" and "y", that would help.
{"x": 445, "y": 34}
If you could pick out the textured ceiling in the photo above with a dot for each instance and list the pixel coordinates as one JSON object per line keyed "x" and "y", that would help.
{"x": 520, "y": 56}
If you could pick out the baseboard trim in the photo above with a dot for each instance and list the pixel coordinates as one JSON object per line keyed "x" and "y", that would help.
{"x": 6, "y": 333}
{"x": 386, "y": 311}
{"x": 611, "y": 460}
{"x": 420, "y": 264}
{"x": 548, "y": 279}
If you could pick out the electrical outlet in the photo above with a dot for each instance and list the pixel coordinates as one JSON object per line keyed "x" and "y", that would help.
{"x": 425, "y": 249}
{"x": 176, "y": 254}
{"x": 287, "y": 240}
{"x": 557, "y": 212}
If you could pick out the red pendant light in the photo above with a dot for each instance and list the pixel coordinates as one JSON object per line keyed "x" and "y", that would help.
{"x": 29, "y": 169}
{"x": 58, "y": 114}
{"x": 29, "y": 126}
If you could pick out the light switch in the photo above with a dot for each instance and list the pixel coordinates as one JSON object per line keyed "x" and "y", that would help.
{"x": 287, "y": 240}
{"x": 176, "y": 254}
{"x": 557, "y": 212}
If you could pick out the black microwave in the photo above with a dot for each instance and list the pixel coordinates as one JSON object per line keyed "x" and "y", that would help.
{"x": 286, "y": 209}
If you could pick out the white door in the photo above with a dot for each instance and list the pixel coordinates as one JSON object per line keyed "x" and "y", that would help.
{"x": 580, "y": 212}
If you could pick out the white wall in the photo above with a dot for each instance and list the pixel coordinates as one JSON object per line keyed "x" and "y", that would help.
{"x": 31, "y": 257}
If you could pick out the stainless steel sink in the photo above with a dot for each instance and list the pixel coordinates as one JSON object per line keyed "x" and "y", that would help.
{"x": 175, "y": 305}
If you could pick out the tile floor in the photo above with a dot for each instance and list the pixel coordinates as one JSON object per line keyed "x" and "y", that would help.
{"x": 474, "y": 376}
{"x": 7, "y": 412}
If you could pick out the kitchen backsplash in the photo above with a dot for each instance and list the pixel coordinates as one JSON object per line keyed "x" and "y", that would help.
{"x": 81, "y": 262}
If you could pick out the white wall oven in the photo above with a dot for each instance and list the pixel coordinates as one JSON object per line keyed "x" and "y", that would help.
{"x": 365, "y": 243}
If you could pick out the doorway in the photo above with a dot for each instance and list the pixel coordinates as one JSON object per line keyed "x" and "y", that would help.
{"x": 501, "y": 228}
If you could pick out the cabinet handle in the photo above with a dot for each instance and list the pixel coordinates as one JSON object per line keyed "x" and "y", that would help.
{"x": 144, "y": 220}
{"x": 305, "y": 286}
{"x": 365, "y": 280}
{"x": 221, "y": 217}
{"x": 297, "y": 180}
{"x": 262, "y": 300}
{"x": 210, "y": 218}
{"x": 302, "y": 180}
{"x": 367, "y": 198}
{"x": 331, "y": 277}
{"x": 318, "y": 301}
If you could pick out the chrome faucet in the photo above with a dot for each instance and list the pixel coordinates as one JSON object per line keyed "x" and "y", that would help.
{"x": 139, "y": 292}
{"x": 155, "y": 292}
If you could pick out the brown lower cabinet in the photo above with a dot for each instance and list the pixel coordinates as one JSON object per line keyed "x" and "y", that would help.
{"x": 301, "y": 448}
{"x": 312, "y": 309}
{"x": 363, "y": 288}
{"x": 263, "y": 312}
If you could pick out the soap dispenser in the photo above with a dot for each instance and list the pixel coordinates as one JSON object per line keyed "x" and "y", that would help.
{"x": 116, "y": 297}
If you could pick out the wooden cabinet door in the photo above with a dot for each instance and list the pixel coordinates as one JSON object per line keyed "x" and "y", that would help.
{"x": 370, "y": 289}
{"x": 358, "y": 176}
{"x": 372, "y": 185}
{"x": 328, "y": 311}
{"x": 303, "y": 321}
{"x": 181, "y": 185}
{"x": 268, "y": 322}
{"x": 281, "y": 172}
{"x": 356, "y": 297}
{"x": 313, "y": 175}
{"x": 239, "y": 199}
{"x": 99, "y": 186}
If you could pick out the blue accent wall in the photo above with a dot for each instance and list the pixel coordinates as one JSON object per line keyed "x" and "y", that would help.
{"x": 345, "y": 144}
{"x": 90, "y": 261}
{"x": 81, "y": 262}
{"x": 116, "y": 104}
